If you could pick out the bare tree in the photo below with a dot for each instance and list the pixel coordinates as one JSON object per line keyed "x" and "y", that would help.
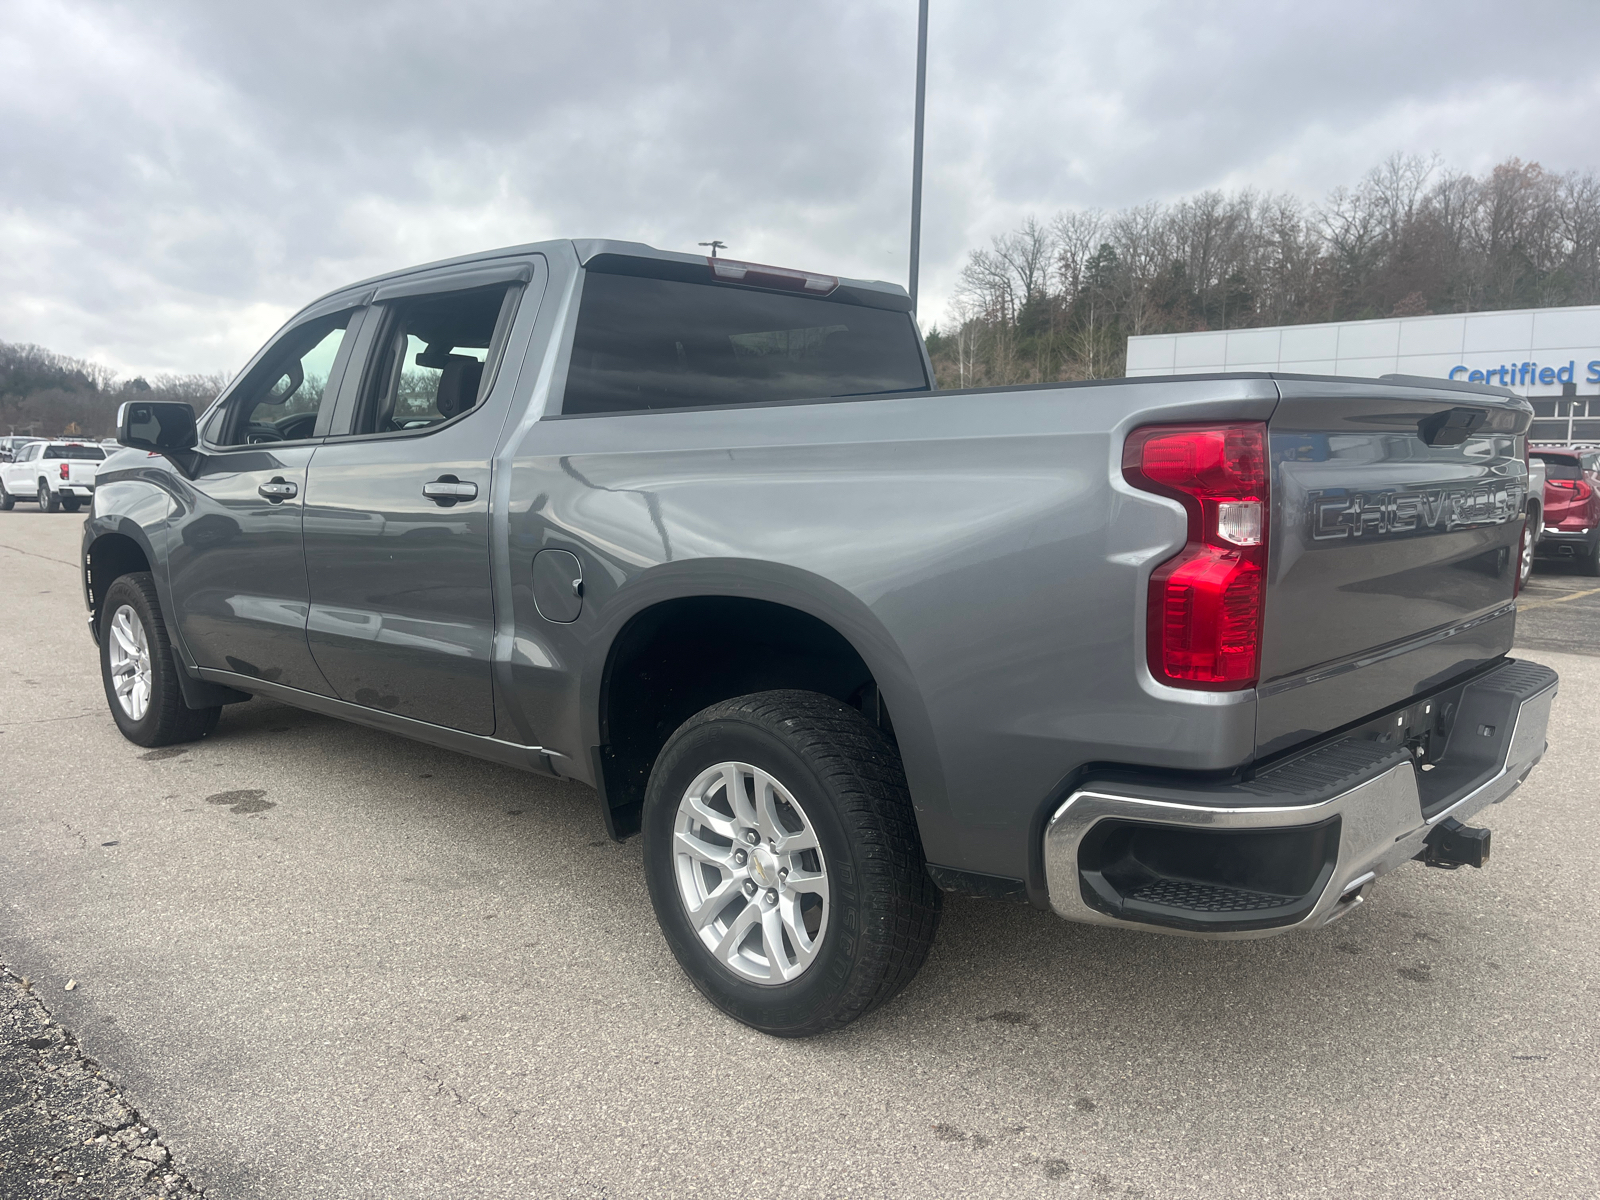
{"x": 1058, "y": 299}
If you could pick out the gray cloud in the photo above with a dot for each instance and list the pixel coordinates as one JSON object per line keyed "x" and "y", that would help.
{"x": 180, "y": 176}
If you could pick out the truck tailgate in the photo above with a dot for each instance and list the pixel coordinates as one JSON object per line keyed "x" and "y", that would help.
{"x": 1396, "y": 519}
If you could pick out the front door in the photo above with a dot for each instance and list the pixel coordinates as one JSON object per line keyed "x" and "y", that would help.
{"x": 397, "y": 515}
{"x": 237, "y": 563}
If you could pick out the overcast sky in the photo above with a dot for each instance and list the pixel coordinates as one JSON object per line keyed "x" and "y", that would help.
{"x": 181, "y": 176}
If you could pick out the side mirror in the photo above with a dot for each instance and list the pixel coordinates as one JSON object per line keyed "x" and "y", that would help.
{"x": 164, "y": 426}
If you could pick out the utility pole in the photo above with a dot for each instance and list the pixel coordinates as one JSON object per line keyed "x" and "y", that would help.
{"x": 916, "y": 148}
{"x": 715, "y": 246}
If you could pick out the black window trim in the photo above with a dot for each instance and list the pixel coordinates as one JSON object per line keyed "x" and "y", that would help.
{"x": 874, "y": 397}
{"x": 455, "y": 281}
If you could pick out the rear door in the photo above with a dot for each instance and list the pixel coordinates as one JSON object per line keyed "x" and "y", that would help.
{"x": 397, "y": 531}
{"x": 1396, "y": 517}
{"x": 237, "y": 563}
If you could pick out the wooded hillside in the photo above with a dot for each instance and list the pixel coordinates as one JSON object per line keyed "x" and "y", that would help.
{"x": 1057, "y": 299}
{"x": 45, "y": 393}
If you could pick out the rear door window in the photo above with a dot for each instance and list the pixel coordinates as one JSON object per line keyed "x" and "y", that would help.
{"x": 432, "y": 359}
{"x": 644, "y": 343}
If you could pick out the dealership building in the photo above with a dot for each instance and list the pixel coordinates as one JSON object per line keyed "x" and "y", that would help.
{"x": 1549, "y": 355}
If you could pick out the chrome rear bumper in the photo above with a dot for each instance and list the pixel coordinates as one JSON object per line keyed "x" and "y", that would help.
{"x": 1383, "y": 805}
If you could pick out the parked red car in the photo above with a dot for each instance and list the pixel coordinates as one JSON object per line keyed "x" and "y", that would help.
{"x": 1571, "y": 505}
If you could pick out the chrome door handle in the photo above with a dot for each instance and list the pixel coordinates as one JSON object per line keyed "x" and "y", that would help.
{"x": 448, "y": 490}
{"x": 278, "y": 489}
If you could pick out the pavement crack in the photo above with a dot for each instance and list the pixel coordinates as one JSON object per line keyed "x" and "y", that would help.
{"x": 434, "y": 1076}
{"x": 35, "y": 554}
{"x": 65, "y": 1119}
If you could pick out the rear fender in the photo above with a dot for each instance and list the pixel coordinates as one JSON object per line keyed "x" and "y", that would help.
{"x": 805, "y": 592}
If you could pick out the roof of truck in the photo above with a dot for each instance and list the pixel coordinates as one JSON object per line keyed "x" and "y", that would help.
{"x": 887, "y": 295}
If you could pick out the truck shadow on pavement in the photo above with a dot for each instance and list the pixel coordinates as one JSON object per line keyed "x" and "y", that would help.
{"x": 1069, "y": 1005}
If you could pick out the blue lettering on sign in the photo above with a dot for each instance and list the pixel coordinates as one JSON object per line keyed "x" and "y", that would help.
{"x": 1594, "y": 371}
{"x": 1523, "y": 374}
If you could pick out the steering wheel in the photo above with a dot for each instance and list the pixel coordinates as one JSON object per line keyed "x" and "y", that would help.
{"x": 292, "y": 429}
{"x": 261, "y": 431}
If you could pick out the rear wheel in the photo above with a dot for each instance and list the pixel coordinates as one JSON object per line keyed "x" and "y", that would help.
{"x": 7, "y": 500}
{"x": 48, "y": 500}
{"x": 784, "y": 864}
{"x": 1589, "y": 564}
{"x": 70, "y": 503}
{"x": 1525, "y": 561}
{"x": 139, "y": 670}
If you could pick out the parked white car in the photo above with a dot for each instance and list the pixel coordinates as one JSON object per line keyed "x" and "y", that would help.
{"x": 56, "y": 475}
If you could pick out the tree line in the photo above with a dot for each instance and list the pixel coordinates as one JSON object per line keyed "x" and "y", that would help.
{"x": 50, "y": 394}
{"x": 1057, "y": 299}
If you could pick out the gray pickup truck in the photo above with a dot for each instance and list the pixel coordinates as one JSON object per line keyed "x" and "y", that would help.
{"x": 1201, "y": 655}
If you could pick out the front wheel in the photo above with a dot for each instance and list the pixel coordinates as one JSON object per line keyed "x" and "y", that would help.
{"x": 783, "y": 862}
{"x": 7, "y": 500}
{"x": 139, "y": 670}
{"x": 48, "y": 500}
{"x": 1525, "y": 559}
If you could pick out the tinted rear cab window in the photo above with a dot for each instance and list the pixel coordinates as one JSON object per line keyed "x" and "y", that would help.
{"x": 85, "y": 453}
{"x": 645, "y": 343}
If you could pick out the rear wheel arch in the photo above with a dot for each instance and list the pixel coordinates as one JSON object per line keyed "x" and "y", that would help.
{"x": 757, "y": 639}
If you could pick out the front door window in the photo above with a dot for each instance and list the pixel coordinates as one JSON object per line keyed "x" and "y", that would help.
{"x": 281, "y": 399}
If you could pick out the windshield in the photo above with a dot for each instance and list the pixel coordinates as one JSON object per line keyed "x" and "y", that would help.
{"x": 87, "y": 453}
{"x": 656, "y": 343}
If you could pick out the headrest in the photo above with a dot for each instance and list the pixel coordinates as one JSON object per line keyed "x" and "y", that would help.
{"x": 458, "y": 385}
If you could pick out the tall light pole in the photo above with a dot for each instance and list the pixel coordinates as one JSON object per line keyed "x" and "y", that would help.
{"x": 916, "y": 148}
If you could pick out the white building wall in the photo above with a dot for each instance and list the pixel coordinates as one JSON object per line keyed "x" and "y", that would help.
{"x": 1561, "y": 339}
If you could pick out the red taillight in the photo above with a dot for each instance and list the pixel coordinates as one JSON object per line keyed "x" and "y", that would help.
{"x": 64, "y": 470}
{"x": 1204, "y": 619}
{"x": 757, "y": 275}
{"x": 1567, "y": 491}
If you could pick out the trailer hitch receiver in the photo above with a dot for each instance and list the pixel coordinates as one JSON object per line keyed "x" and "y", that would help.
{"x": 1451, "y": 844}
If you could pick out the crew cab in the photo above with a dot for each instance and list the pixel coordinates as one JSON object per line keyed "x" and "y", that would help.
{"x": 1204, "y": 655}
{"x": 55, "y": 475}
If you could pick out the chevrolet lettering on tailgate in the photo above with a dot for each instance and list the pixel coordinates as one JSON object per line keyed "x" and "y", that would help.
{"x": 1345, "y": 514}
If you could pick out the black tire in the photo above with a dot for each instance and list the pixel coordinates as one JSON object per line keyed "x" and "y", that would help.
{"x": 168, "y": 719}
{"x": 1589, "y": 564}
{"x": 48, "y": 500}
{"x": 7, "y": 500}
{"x": 848, "y": 779}
{"x": 70, "y": 503}
{"x": 1525, "y": 556}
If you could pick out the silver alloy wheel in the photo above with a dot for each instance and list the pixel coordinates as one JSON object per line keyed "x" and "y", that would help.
{"x": 750, "y": 873}
{"x": 1526, "y": 565}
{"x": 130, "y": 662}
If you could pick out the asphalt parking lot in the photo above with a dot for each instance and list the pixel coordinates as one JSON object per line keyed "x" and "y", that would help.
{"x": 327, "y": 962}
